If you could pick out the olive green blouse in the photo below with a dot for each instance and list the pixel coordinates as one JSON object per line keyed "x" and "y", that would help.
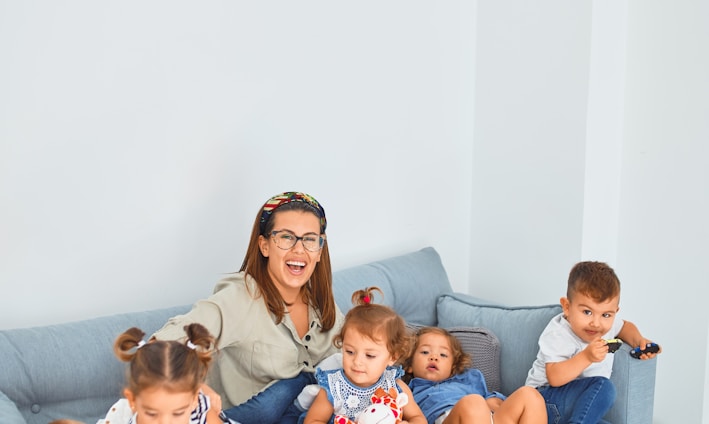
{"x": 252, "y": 350}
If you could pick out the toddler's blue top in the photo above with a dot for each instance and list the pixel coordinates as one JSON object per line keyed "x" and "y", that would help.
{"x": 435, "y": 398}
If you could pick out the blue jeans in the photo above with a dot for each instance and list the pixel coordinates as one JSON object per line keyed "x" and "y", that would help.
{"x": 582, "y": 401}
{"x": 273, "y": 405}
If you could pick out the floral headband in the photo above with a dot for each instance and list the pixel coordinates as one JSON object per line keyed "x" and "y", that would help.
{"x": 291, "y": 196}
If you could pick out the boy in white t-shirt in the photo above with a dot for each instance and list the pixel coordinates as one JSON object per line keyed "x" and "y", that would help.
{"x": 573, "y": 367}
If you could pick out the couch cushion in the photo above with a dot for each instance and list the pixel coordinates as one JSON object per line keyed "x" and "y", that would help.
{"x": 517, "y": 328}
{"x": 484, "y": 347}
{"x": 410, "y": 283}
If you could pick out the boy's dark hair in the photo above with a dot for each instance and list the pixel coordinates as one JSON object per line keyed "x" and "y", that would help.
{"x": 596, "y": 280}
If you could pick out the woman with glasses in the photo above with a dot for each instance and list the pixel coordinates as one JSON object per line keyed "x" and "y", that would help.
{"x": 275, "y": 319}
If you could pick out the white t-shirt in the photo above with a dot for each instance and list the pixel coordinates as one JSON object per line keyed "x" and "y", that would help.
{"x": 558, "y": 343}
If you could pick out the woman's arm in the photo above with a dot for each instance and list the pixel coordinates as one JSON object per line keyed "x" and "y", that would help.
{"x": 320, "y": 411}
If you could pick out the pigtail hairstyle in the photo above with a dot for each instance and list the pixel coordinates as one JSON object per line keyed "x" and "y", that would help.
{"x": 375, "y": 321}
{"x": 173, "y": 365}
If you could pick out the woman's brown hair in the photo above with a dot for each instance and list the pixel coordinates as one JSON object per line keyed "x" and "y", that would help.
{"x": 317, "y": 293}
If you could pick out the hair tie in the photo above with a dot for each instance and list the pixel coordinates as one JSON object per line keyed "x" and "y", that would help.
{"x": 140, "y": 344}
{"x": 290, "y": 196}
{"x": 191, "y": 345}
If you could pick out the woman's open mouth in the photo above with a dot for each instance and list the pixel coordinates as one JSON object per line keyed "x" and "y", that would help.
{"x": 295, "y": 265}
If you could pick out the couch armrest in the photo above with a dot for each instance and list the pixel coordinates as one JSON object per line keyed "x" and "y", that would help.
{"x": 634, "y": 381}
{"x": 9, "y": 414}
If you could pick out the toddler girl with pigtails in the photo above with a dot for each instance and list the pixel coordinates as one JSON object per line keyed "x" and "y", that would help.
{"x": 165, "y": 380}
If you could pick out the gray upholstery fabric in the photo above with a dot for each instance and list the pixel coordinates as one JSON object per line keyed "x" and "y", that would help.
{"x": 484, "y": 347}
{"x": 411, "y": 284}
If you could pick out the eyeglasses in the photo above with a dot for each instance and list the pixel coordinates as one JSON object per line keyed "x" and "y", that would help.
{"x": 285, "y": 240}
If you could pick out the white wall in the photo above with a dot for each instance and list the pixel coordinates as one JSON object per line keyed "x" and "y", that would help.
{"x": 665, "y": 201}
{"x": 137, "y": 141}
{"x": 528, "y": 162}
{"x": 591, "y": 143}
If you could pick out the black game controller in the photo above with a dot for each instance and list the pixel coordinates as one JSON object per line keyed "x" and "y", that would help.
{"x": 613, "y": 345}
{"x": 650, "y": 348}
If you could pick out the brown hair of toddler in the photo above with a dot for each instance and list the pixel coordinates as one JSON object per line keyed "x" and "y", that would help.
{"x": 596, "y": 280}
{"x": 461, "y": 360}
{"x": 376, "y": 322}
{"x": 170, "y": 364}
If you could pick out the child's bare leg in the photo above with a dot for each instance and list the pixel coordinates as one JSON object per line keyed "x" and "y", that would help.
{"x": 524, "y": 406}
{"x": 470, "y": 409}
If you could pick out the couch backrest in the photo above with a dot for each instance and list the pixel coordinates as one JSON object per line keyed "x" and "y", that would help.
{"x": 517, "y": 327}
{"x": 411, "y": 284}
{"x": 35, "y": 362}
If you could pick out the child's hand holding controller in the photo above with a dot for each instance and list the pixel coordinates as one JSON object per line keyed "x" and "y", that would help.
{"x": 597, "y": 350}
{"x": 650, "y": 351}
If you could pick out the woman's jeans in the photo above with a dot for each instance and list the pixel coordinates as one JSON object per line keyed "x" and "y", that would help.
{"x": 582, "y": 401}
{"x": 273, "y": 405}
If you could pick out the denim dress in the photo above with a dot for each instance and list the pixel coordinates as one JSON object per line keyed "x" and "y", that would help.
{"x": 435, "y": 398}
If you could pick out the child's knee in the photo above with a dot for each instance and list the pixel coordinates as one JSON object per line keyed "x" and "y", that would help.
{"x": 607, "y": 389}
{"x": 529, "y": 394}
{"x": 472, "y": 402}
{"x": 527, "y": 391}
{"x": 470, "y": 408}
{"x": 601, "y": 390}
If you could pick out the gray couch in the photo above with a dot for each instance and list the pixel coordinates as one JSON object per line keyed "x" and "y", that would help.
{"x": 69, "y": 371}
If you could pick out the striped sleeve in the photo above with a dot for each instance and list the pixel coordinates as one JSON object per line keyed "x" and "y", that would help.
{"x": 199, "y": 415}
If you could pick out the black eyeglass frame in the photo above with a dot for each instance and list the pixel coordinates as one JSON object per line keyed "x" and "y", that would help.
{"x": 321, "y": 240}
